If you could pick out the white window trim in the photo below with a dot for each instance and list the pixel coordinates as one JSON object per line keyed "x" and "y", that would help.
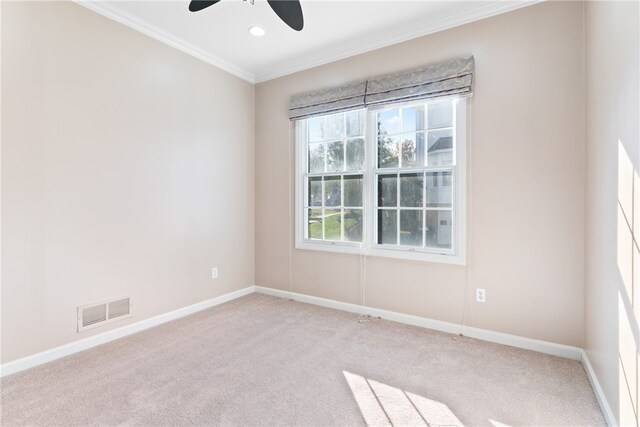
{"x": 369, "y": 247}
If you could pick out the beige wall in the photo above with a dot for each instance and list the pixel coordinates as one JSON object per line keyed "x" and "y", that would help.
{"x": 118, "y": 151}
{"x": 127, "y": 168}
{"x": 526, "y": 175}
{"x": 612, "y": 293}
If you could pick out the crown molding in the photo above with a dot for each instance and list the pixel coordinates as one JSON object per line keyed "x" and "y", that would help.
{"x": 345, "y": 50}
{"x": 113, "y": 12}
{"x": 419, "y": 29}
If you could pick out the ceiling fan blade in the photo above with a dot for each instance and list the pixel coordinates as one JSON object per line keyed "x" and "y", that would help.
{"x": 197, "y": 5}
{"x": 289, "y": 11}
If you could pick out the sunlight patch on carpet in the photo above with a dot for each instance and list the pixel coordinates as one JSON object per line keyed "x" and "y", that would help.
{"x": 384, "y": 405}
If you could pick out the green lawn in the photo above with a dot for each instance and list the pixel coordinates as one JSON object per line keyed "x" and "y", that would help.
{"x": 332, "y": 226}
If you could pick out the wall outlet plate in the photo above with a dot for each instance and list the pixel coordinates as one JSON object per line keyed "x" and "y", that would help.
{"x": 481, "y": 295}
{"x": 214, "y": 273}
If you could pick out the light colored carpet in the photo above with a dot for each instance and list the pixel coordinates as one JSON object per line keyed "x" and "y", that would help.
{"x": 260, "y": 360}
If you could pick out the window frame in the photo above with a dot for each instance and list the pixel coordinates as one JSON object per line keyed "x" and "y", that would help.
{"x": 369, "y": 246}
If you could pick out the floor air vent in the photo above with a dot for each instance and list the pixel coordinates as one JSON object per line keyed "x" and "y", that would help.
{"x": 92, "y": 315}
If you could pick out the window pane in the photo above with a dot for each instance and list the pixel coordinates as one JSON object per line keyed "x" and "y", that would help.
{"x": 335, "y": 125}
{"x": 387, "y": 226}
{"x": 335, "y": 156}
{"x": 387, "y": 190}
{"x": 412, "y": 119}
{"x": 388, "y": 151}
{"x": 315, "y": 127}
{"x": 353, "y": 225}
{"x": 447, "y": 179}
{"x": 440, "y": 151}
{"x": 355, "y": 154}
{"x": 438, "y": 194}
{"x": 411, "y": 190}
{"x": 332, "y": 193}
{"x": 409, "y": 146}
{"x": 315, "y": 223}
{"x": 353, "y": 191}
{"x": 440, "y": 114}
{"x": 411, "y": 227}
{"x": 389, "y": 122}
{"x": 332, "y": 224}
{"x": 438, "y": 229}
{"x": 316, "y": 158}
{"x": 355, "y": 123}
{"x": 315, "y": 191}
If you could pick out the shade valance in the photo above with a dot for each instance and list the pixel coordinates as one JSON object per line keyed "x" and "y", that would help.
{"x": 346, "y": 97}
{"x": 452, "y": 77}
{"x": 443, "y": 79}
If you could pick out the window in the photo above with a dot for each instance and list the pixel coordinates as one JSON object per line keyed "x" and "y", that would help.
{"x": 385, "y": 182}
{"x": 333, "y": 177}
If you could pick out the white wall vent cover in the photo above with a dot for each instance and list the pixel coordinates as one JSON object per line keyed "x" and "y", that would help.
{"x": 92, "y": 315}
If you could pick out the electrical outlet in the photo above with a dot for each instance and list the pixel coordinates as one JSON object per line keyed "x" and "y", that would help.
{"x": 481, "y": 295}
{"x": 214, "y": 273}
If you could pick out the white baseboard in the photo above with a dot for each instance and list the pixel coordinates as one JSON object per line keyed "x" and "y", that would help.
{"x": 554, "y": 349}
{"x": 597, "y": 389}
{"x": 105, "y": 337}
{"x": 482, "y": 334}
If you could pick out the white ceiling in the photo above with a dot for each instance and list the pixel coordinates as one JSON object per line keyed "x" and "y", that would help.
{"x": 333, "y": 29}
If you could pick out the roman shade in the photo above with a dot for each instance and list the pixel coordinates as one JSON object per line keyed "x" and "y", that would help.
{"x": 346, "y": 97}
{"x": 452, "y": 77}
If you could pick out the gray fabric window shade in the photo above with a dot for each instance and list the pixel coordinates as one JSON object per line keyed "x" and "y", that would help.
{"x": 447, "y": 78}
{"x": 327, "y": 101}
{"x": 453, "y": 77}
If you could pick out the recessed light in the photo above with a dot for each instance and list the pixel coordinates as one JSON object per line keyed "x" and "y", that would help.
{"x": 257, "y": 31}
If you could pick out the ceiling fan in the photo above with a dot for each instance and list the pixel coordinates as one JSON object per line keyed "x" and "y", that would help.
{"x": 289, "y": 11}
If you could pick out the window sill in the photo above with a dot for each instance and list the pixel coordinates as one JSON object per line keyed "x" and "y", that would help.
{"x": 346, "y": 248}
{"x": 406, "y": 254}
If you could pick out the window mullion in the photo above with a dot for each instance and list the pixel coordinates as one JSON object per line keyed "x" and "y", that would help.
{"x": 454, "y": 134}
{"x": 342, "y": 205}
{"x": 344, "y": 142}
{"x": 400, "y": 142}
{"x": 398, "y": 207}
{"x": 426, "y": 136}
{"x": 344, "y": 169}
{"x": 322, "y": 206}
{"x": 424, "y": 210}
